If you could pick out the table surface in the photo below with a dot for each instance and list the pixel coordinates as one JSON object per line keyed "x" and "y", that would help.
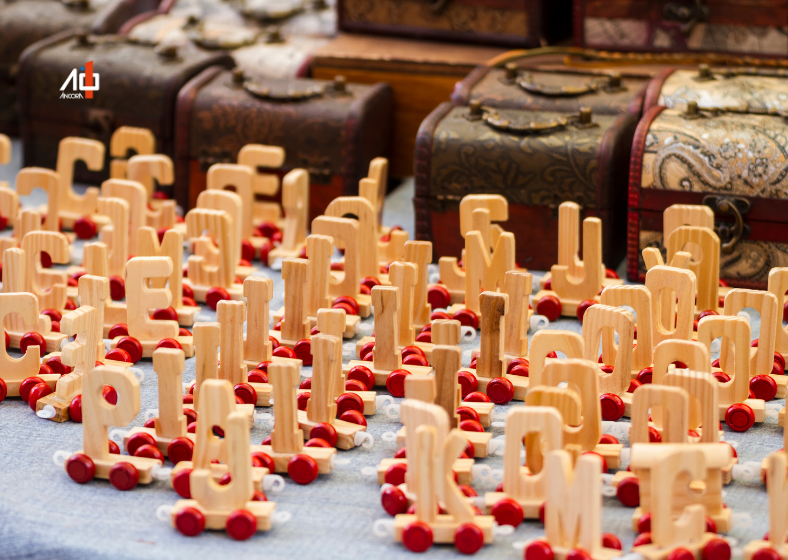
{"x": 43, "y": 512}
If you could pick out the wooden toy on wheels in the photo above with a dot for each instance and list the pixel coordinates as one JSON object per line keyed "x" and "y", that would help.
{"x": 678, "y": 521}
{"x": 168, "y": 433}
{"x": 443, "y": 389}
{"x": 345, "y": 282}
{"x": 14, "y": 372}
{"x": 433, "y": 458}
{"x": 319, "y": 420}
{"x": 570, "y": 295}
{"x": 233, "y": 205}
{"x": 584, "y": 427}
{"x": 94, "y": 257}
{"x": 639, "y": 299}
{"x": 386, "y": 357}
{"x": 149, "y": 170}
{"x": 416, "y": 413}
{"x": 478, "y": 212}
{"x": 257, "y": 157}
{"x": 316, "y": 289}
{"x": 774, "y": 545}
{"x": 763, "y": 359}
{"x": 171, "y": 245}
{"x": 420, "y": 254}
{"x": 490, "y": 374}
{"x": 602, "y": 323}
{"x": 124, "y": 472}
{"x": 523, "y": 492}
{"x": 47, "y": 180}
{"x": 295, "y": 204}
{"x": 210, "y": 451}
{"x": 145, "y": 334}
{"x": 366, "y": 216}
{"x": 125, "y": 140}
{"x": 573, "y": 511}
{"x": 705, "y": 266}
{"x": 212, "y": 283}
{"x": 287, "y": 449}
{"x": 403, "y": 276}
{"x": 240, "y": 178}
{"x": 232, "y": 506}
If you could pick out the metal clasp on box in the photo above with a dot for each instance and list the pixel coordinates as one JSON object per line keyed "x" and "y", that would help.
{"x": 734, "y": 206}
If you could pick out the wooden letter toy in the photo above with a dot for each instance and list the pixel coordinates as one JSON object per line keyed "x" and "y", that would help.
{"x": 145, "y": 169}
{"x": 30, "y": 178}
{"x": 763, "y": 360}
{"x": 258, "y": 156}
{"x": 286, "y": 448}
{"x": 94, "y": 257}
{"x": 432, "y": 480}
{"x": 545, "y": 344}
{"x": 205, "y": 246}
{"x": 345, "y": 233}
{"x": 127, "y": 139}
{"x": 240, "y": 178}
{"x": 668, "y": 284}
{"x": 386, "y": 358}
{"x": 216, "y": 405}
{"x": 13, "y": 371}
{"x": 775, "y": 545}
{"x": 639, "y": 299}
{"x": 573, "y": 510}
{"x": 146, "y": 334}
{"x": 78, "y": 209}
{"x": 367, "y": 230}
{"x": 212, "y": 283}
{"x": 168, "y": 433}
{"x": 95, "y": 460}
{"x": 705, "y": 266}
{"x": 524, "y": 489}
{"x": 679, "y": 517}
{"x": 295, "y": 203}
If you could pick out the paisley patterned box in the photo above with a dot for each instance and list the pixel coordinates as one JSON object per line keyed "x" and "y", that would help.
{"x": 537, "y": 160}
{"x": 724, "y": 159}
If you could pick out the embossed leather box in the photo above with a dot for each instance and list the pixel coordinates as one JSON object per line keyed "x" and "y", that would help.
{"x": 754, "y": 27}
{"x": 516, "y": 23}
{"x": 537, "y": 160}
{"x": 138, "y": 86}
{"x": 731, "y": 160}
{"x": 23, "y": 22}
{"x": 332, "y": 129}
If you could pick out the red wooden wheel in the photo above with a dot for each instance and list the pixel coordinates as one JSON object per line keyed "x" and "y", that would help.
{"x": 549, "y": 306}
{"x": 644, "y": 523}
{"x": 721, "y": 376}
{"x": 780, "y": 359}
{"x": 438, "y": 296}
{"x": 38, "y": 391}
{"x": 763, "y": 387}
{"x": 395, "y": 474}
{"x": 628, "y": 492}
{"x": 187, "y": 291}
{"x": 425, "y": 336}
{"x": 653, "y": 435}
{"x": 246, "y": 392}
{"x": 607, "y": 439}
{"x": 645, "y": 375}
{"x": 680, "y": 553}
{"x": 417, "y": 536}
{"x": 3, "y": 390}
{"x": 137, "y": 440}
{"x": 476, "y": 396}
{"x": 215, "y": 295}
{"x": 169, "y": 343}
{"x": 611, "y": 274}
{"x": 284, "y": 352}
{"x": 80, "y": 468}
{"x": 633, "y": 384}
{"x": 507, "y": 512}
{"x": 468, "y": 382}
{"x": 345, "y": 306}
{"x": 263, "y": 366}
{"x": 466, "y": 490}
{"x": 395, "y": 382}
{"x": 7, "y": 338}
{"x": 265, "y": 459}
{"x": 583, "y": 307}
{"x": 190, "y": 521}
{"x": 259, "y": 376}
{"x": 325, "y": 431}
{"x": 415, "y": 360}
{"x": 370, "y": 282}
{"x": 113, "y": 447}
{"x": 351, "y": 301}
{"x": 363, "y": 374}
{"x": 410, "y": 351}
{"x": 766, "y": 553}
{"x": 32, "y": 339}
{"x": 75, "y": 409}
{"x": 302, "y": 468}
{"x": 267, "y": 229}
{"x": 180, "y": 449}
{"x": 44, "y": 369}
{"x": 471, "y": 426}
{"x": 149, "y": 452}
{"x": 181, "y": 483}
{"x": 578, "y": 554}
{"x": 739, "y": 417}
{"x": 124, "y": 476}
{"x": 401, "y": 453}
{"x": 118, "y": 355}
{"x": 368, "y": 347}
{"x": 354, "y": 417}
{"x": 435, "y": 315}
{"x": 241, "y": 524}
{"x": 247, "y": 250}
{"x": 467, "y": 318}
{"x": 500, "y": 390}
{"x": 609, "y": 540}
{"x": 168, "y": 314}
{"x": 85, "y": 228}
{"x": 612, "y": 406}
{"x": 468, "y": 538}
{"x": 317, "y": 442}
{"x": 354, "y": 385}
{"x": 538, "y": 550}
{"x": 302, "y": 399}
{"x": 517, "y": 362}
{"x": 467, "y": 413}
{"x": 53, "y": 314}
{"x": 117, "y": 287}
{"x": 27, "y": 384}
{"x": 190, "y": 414}
{"x": 642, "y": 539}
{"x": 110, "y": 394}
{"x": 349, "y": 401}
{"x": 121, "y": 329}
{"x": 132, "y": 346}
{"x": 303, "y": 351}
{"x": 305, "y": 384}
{"x": 716, "y": 549}
{"x": 393, "y": 500}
